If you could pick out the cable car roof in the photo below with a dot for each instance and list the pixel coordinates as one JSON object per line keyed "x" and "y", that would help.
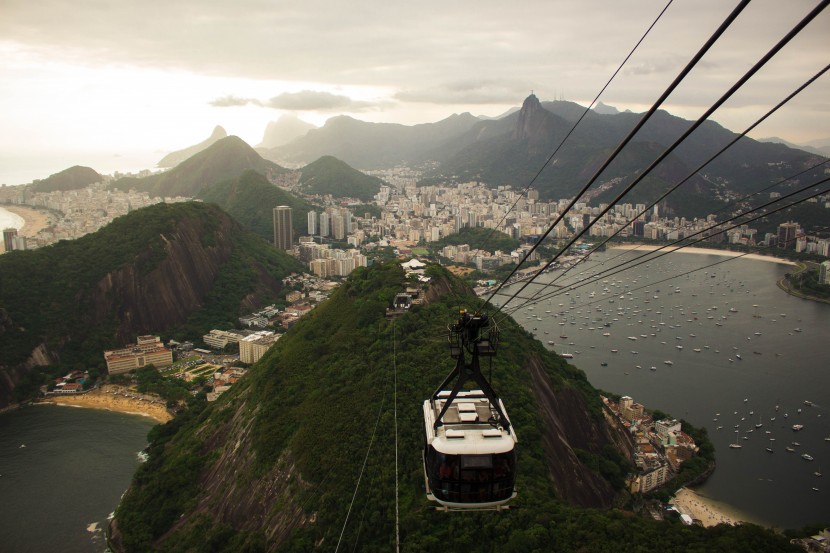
{"x": 465, "y": 429}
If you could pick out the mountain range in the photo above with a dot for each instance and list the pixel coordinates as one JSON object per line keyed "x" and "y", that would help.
{"x": 512, "y": 149}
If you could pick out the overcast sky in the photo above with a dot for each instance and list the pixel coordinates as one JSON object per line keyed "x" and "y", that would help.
{"x": 104, "y": 82}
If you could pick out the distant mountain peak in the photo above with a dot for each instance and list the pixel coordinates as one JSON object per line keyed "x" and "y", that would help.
{"x": 605, "y": 109}
{"x": 529, "y": 115}
{"x": 174, "y": 158}
{"x": 284, "y": 130}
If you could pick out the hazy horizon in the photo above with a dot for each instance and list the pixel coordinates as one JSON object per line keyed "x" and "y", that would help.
{"x": 130, "y": 80}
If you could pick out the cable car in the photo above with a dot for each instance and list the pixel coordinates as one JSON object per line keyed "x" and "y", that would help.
{"x": 470, "y": 450}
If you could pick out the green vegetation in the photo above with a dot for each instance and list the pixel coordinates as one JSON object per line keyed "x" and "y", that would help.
{"x": 313, "y": 403}
{"x": 251, "y": 199}
{"x": 478, "y": 238}
{"x": 329, "y": 175}
{"x": 806, "y": 282}
{"x": 150, "y": 381}
{"x": 69, "y": 179}
{"x": 225, "y": 159}
{"x": 362, "y": 209}
{"x": 51, "y": 294}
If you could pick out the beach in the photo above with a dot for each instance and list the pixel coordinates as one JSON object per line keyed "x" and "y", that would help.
{"x": 116, "y": 398}
{"x": 704, "y": 251}
{"x": 34, "y": 219}
{"x": 708, "y": 511}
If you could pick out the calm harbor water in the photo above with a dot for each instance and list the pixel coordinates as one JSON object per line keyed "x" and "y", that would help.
{"x": 63, "y": 471}
{"x": 716, "y": 315}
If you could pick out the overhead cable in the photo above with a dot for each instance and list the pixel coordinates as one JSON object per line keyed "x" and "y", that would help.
{"x": 755, "y": 68}
{"x": 643, "y": 120}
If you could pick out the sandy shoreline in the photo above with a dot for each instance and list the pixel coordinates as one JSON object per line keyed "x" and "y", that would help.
{"x": 705, "y": 251}
{"x": 107, "y": 398}
{"x": 34, "y": 220}
{"x": 708, "y": 511}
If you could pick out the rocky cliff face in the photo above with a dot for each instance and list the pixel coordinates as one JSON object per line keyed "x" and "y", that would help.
{"x": 167, "y": 295}
{"x": 534, "y": 126}
{"x": 569, "y": 426}
{"x": 161, "y": 286}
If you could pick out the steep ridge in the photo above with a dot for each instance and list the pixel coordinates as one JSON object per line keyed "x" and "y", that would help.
{"x": 155, "y": 270}
{"x": 510, "y": 151}
{"x": 273, "y": 465}
{"x": 371, "y": 145}
{"x": 174, "y": 158}
{"x": 223, "y": 160}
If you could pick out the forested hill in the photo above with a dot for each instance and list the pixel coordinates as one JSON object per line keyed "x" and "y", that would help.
{"x": 69, "y": 179}
{"x": 164, "y": 269}
{"x": 329, "y": 175}
{"x": 225, "y": 159}
{"x": 250, "y": 199}
{"x": 273, "y": 465}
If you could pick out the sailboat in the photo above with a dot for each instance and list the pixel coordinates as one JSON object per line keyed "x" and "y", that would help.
{"x": 770, "y": 445}
{"x": 760, "y": 424}
{"x": 736, "y": 445}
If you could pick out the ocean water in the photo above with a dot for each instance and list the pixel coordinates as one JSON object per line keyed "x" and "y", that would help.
{"x": 778, "y": 369}
{"x": 62, "y": 473}
{"x": 9, "y": 219}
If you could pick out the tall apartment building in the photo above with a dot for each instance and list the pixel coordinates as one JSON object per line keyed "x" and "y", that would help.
{"x": 786, "y": 235}
{"x": 283, "y": 231}
{"x": 148, "y": 350}
{"x": 9, "y": 236}
{"x": 312, "y": 223}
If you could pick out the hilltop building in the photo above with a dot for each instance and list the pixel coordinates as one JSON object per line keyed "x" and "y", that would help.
{"x": 148, "y": 350}
{"x": 283, "y": 231}
{"x": 253, "y": 347}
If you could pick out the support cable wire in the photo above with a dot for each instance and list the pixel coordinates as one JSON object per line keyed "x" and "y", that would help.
{"x": 755, "y": 68}
{"x": 395, "y": 410}
{"x": 573, "y": 128}
{"x": 643, "y": 120}
{"x": 698, "y": 169}
{"x": 684, "y": 273}
{"x": 761, "y": 209}
{"x": 725, "y": 207}
{"x": 362, "y": 469}
{"x": 764, "y": 213}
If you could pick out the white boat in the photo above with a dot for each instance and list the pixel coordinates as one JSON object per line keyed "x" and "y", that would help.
{"x": 668, "y": 363}
{"x": 807, "y": 457}
{"x": 735, "y": 445}
{"x": 797, "y": 427}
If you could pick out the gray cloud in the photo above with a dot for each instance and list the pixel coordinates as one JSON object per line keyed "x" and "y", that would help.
{"x": 471, "y": 92}
{"x": 233, "y": 101}
{"x": 469, "y": 52}
{"x": 315, "y": 100}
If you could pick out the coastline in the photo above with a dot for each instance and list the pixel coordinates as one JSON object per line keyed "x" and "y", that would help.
{"x": 708, "y": 511}
{"x": 705, "y": 251}
{"x": 34, "y": 220}
{"x": 110, "y": 398}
